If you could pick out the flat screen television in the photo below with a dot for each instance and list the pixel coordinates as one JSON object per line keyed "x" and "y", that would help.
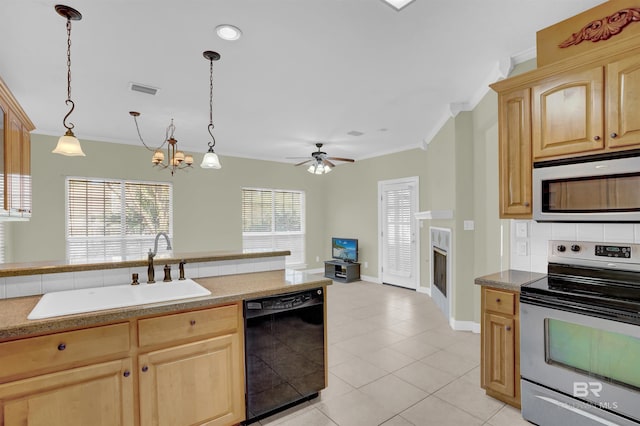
{"x": 345, "y": 249}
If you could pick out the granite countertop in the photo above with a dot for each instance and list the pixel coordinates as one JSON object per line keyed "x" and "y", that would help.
{"x": 51, "y": 267}
{"x": 510, "y": 279}
{"x": 224, "y": 289}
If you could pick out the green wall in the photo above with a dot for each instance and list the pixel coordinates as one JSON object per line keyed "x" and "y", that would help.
{"x": 457, "y": 171}
{"x": 206, "y": 202}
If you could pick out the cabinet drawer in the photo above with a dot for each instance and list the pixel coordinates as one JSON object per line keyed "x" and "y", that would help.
{"x": 500, "y": 301}
{"x": 62, "y": 350}
{"x": 187, "y": 325}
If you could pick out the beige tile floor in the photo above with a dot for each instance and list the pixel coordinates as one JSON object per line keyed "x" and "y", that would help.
{"x": 394, "y": 361}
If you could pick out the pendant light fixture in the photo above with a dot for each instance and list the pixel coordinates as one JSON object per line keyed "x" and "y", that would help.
{"x": 211, "y": 160}
{"x": 176, "y": 160}
{"x": 68, "y": 144}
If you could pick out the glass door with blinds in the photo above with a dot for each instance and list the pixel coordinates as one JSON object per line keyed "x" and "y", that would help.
{"x": 398, "y": 205}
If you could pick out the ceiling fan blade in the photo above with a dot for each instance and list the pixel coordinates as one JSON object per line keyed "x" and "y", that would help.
{"x": 296, "y": 158}
{"x": 341, "y": 159}
{"x": 304, "y": 162}
{"x": 328, "y": 163}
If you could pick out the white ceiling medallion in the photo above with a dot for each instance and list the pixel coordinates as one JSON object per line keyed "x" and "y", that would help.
{"x": 398, "y": 4}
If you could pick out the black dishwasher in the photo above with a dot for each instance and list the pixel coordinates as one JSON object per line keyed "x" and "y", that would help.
{"x": 284, "y": 351}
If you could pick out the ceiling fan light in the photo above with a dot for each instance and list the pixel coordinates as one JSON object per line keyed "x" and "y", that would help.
{"x": 69, "y": 145}
{"x": 211, "y": 161}
{"x": 188, "y": 159}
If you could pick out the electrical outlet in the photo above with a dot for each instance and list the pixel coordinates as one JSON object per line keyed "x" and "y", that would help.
{"x": 521, "y": 248}
{"x": 521, "y": 230}
{"x": 366, "y": 265}
{"x": 317, "y": 258}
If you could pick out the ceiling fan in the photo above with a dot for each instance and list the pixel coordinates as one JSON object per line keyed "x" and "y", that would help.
{"x": 320, "y": 161}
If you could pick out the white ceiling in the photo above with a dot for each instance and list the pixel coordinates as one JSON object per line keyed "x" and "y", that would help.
{"x": 304, "y": 71}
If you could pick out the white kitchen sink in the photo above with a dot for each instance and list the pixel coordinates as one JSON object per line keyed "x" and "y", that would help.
{"x": 96, "y": 299}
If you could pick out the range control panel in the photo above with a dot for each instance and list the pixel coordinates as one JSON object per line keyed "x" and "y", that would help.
{"x": 624, "y": 256}
{"x": 613, "y": 251}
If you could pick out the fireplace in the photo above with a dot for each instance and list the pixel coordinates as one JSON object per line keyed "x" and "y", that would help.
{"x": 440, "y": 257}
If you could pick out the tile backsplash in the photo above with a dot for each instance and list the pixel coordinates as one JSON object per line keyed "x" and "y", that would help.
{"x": 30, "y": 285}
{"x": 529, "y": 249}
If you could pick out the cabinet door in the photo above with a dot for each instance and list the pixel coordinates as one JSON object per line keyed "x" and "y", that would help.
{"x": 25, "y": 174}
{"x": 3, "y": 141}
{"x": 514, "y": 115}
{"x": 97, "y": 395}
{"x": 567, "y": 114}
{"x": 193, "y": 384}
{"x": 499, "y": 353}
{"x": 18, "y": 168}
{"x": 623, "y": 103}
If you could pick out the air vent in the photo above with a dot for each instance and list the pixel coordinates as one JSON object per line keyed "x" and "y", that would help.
{"x": 355, "y": 133}
{"x": 149, "y": 90}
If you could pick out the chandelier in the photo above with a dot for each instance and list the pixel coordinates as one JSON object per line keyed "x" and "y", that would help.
{"x": 176, "y": 160}
{"x": 68, "y": 144}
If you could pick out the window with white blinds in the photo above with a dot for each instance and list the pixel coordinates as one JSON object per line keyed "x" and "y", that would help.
{"x": 273, "y": 219}
{"x": 116, "y": 219}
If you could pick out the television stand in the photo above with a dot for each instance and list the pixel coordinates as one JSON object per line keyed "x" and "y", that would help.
{"x": 342, "y": 271}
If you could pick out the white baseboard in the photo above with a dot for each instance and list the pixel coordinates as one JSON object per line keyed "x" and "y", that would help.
{"x": 464, "y": 325}
{"x": 370, "y": 279}
{"x": 424, "y": 290}
{"x": 315, "y": 271}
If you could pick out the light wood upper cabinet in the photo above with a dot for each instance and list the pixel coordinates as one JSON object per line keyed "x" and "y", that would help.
{"x": 514, "y": 112}
{"x": 15, "y": 179}
{"x": 567, "y": 114}
{"x": 623, "y": 103}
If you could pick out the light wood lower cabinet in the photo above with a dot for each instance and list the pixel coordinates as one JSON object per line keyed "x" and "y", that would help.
{"x": 97, "y": 395}
{"x": 500, "y": 345}
{"x": 129, "y": 373}
{"x": 193, "y": 384}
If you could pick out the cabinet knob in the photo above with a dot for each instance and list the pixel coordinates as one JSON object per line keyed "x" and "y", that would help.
{"x": 498, "y": 300}
{"x": 62, "y": 347}
{"x": 145, "y": 368}
{"x": 126, "y": 373}
{"x": 614, "y": 135}
{"x": 596, "y": 138}
{"x": 192, "y": 322}
{"x": 526, "y": 204}
{"x": 508, "y": 328}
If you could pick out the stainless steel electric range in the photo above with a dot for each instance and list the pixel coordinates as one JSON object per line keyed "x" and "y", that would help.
{"x": 580, "y": 337}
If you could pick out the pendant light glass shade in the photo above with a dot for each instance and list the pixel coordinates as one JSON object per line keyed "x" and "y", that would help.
{"x": 210, "y": 160}
{"x": 69, "y": 145}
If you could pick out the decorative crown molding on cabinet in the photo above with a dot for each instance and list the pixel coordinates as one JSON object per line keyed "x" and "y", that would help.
{"x": 604, "y": 28}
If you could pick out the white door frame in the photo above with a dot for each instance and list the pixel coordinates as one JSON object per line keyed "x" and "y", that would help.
{"x": 415, "y": 182}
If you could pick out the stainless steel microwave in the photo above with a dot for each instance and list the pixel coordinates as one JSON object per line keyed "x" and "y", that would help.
{"x": 594, "y": 188}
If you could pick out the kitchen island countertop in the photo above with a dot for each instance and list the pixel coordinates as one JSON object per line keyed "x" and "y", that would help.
{"x": 510, "y": 279}
{"x": 224, "y": 289}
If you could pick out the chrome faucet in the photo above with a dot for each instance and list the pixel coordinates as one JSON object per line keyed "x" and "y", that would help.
{"x": 150, "y": 270}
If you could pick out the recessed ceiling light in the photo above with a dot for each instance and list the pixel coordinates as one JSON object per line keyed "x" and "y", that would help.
{"x": 228, "y": 32}
{"x": 397, "y": 4}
